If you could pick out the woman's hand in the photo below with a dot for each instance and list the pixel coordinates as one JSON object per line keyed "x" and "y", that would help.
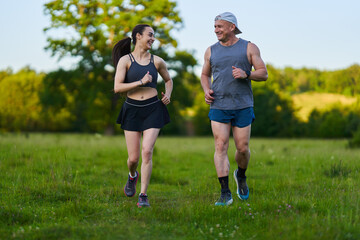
{"x": 165, "y": 98}
{"x": 146, "y": 79}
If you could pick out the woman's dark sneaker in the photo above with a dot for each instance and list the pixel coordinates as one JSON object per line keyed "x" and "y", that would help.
{"x": 143, "y": 200}
{"x": 130, "y": 187}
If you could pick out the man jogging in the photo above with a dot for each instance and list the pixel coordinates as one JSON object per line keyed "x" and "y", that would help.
{"x": 230, "y": 62}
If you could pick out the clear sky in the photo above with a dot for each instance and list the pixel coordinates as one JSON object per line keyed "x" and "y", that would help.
{"x": 322, "y": 34}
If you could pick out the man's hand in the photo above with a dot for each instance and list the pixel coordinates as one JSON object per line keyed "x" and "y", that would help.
{"x": 208, "y": 98}
{"x": 238, "y": 73}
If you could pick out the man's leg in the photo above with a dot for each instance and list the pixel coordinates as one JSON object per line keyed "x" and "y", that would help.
{"x": 242, "y": 139}
{"x": 221, "y": 132}
{"x": 242, "y": 157}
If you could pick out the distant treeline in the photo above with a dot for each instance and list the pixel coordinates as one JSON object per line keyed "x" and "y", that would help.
{"x": 344, "y": 81}
{"x": 81, "y": 101}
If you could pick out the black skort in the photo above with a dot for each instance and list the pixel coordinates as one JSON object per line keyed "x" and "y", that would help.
{"x": 138, "y": 115}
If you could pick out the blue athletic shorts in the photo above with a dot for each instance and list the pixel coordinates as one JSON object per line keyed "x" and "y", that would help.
{"x": 239, "y": 118}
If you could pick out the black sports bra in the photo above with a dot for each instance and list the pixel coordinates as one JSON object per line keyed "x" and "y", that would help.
{"x": 137, "y": 72}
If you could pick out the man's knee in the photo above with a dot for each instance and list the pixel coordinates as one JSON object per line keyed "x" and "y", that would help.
{"x": 221, "y": 145}
{"x": 243, "y": 147}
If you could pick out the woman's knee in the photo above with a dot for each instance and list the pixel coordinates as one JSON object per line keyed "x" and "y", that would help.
{"x": 134, "y": 158}
{"x": 147, "y": 153}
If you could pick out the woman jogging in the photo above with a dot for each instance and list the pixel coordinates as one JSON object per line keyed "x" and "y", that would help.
{"x": 143, "y": 113}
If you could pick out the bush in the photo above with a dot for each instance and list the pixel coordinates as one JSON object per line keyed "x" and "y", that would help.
{"x": 355, "y": 141}
{"x": 274, "y": 114}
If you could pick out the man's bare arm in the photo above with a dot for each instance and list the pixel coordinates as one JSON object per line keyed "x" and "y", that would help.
{"x": 260, "y": 73}
{"x": 206, "y": 77}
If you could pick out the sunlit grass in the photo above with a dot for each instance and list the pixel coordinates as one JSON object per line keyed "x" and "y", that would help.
{"x": 70, "y": 187}
{"x": 308, "y": 101}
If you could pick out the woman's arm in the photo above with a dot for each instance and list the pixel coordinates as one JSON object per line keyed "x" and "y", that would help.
{"x": 119, "y": 85}
{"x": 164, "y": 73}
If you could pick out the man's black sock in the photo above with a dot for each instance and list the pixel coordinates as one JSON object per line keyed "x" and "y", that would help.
{"x": 224, "y": 182}
{"x": 241, "y": 172}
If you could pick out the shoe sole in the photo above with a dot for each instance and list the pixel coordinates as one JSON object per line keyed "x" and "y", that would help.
{"x": 242, "y": 197}
{"x": 141, "y": 206}
{"x": 135, "y": 186}
{"x": 224, "y": 204}
{"x": 129, "y": 195}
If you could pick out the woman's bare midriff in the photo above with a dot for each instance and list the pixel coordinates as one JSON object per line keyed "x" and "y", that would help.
{"x": 142, "y": 93}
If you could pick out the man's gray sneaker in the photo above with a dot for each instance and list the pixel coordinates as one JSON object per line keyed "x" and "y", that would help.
{"x": 130, "y": 187}
{"x": 225, "y": 198}
{"x": 242, "y": 188}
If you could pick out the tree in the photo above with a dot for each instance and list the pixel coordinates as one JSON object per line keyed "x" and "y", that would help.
{"x": 336, "y": 122}
{"x": 186, "y": 87}
{"x": 274, "y": 114}
{"x": 63, "y": 93}
{"x": 95, "y": 27}
{"x": 354, "y": 142}
{"x": 97, "y": 24}
{"x": 19, "y": 102}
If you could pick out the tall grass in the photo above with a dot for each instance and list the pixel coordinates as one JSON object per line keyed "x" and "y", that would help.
{"x": 65, "y": 186}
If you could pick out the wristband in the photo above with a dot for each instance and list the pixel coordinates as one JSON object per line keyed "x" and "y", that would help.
{"x": 141, "y": 82}
{"x": 248, "y": 73}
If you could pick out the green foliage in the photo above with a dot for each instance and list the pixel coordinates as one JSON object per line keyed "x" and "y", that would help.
{"x": 5, "y": 73}
{"x": 201, "y": 121}
{"x": 355, "y": 141}
{"x": 69, "y": 186}
{"x": 95, "y": 26}
{"x": 274, "y": 114}
{"x": 90, "y": 106}
{"x": 344, "y": 81}
{"x": 332, "y": 124}
{"x": 185, "y": 89}
{"x": 20, "y": 108}
{"x": 336, "y": 122}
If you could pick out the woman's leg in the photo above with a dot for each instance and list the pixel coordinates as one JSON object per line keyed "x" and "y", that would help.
{"x": 133, "y": 147}
{"x": 149, "y": 139}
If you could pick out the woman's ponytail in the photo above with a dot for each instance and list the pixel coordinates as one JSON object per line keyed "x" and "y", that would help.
{"x": 120, "y": 49}
{"x": 123, "y": 47}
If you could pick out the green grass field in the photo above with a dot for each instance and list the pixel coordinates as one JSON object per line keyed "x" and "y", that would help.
{"x": 71, "y": 187}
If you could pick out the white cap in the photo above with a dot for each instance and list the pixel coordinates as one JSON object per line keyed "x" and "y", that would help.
{"x": 228, "y": 16}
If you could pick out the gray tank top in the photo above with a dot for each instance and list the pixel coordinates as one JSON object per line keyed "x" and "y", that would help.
{"x": 230, "y": 93}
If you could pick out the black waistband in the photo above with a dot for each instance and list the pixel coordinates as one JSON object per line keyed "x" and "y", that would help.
{"x": 142, "y": 102}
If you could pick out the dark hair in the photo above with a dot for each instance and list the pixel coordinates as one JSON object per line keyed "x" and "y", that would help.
{"x": 123, "y": 46}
